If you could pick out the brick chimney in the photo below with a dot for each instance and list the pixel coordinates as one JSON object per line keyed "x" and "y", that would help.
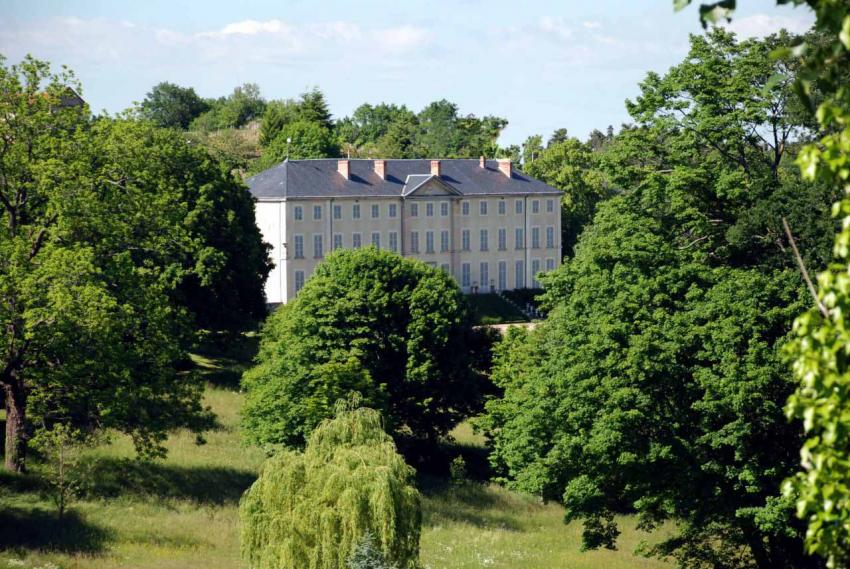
{"x": 482, "y": 163}
{"x": 342, "y": 166}
{"x": 505, "y": 167}
{"x": 435, "y": 167}
{"x": 381, "y": 168}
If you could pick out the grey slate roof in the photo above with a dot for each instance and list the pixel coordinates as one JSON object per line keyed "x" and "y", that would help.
{"x": 319, "y": 178}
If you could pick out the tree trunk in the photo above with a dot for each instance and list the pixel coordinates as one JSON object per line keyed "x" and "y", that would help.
{"x": 16, "y": 436}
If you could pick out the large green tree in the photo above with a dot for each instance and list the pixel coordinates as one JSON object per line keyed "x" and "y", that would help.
{"x": 219, "y": 273}
{"x": 656, "y": 384}
{"x": 389, "y": 328}
{"x": 87, "y": 260}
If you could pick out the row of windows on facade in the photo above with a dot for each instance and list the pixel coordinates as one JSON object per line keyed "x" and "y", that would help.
{"x": 392, "y": 209}
{"x": 484, "y": 282}
{"x": 392, "y": 245}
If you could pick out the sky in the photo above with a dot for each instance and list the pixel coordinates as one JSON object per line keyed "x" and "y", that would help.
{"x": 541, "y": 65}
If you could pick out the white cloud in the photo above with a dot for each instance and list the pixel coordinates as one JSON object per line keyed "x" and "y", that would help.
{"x": 402, "y": 39}
{"x": 555, "y": 26}
{"x": 760, "y": 25}
{"x": 270, "y": 41}
{"x": 251, "y": 27}
{"x": 590, "y": 25}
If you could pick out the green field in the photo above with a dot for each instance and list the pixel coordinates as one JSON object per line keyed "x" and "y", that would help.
{"x": 182, "y": 512}
{"x": 491, "y": 308}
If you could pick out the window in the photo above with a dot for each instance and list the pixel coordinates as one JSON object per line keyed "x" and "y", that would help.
{"x": 337, "y": 212}
{"x": 520, "y": 275}
{"x": 355, "y": 240}
{"x": 535, "y": 268}
{"x": 299, "y": 246}
{"x": 376, "y": 211}
{"x": 355, "y": 211}
{"x": 503, "y": 275}
{"x": 550, "y": 237}
{"x": 414, "y": 210}
{"x": 518, "y": 206}
{"x": 299, "y": 281}
{"x": 445, "y": 267}
{"x": 393, "y": 241}
{"x": 444, "y": 209}
{"x": 465, "y": 279}
{"x": 482, "y": 207}
{"x": 550, "y": 206}
{"x": 464, "y": 208}
{"x": 429, "y": 241}
{"x": 444, "y": 241}
{"x": 519, "y": 238}
{"x": 550, "y": 264}
{"x": 464, "y": 239}
{"x": 503, "y": 239}
{"x": 483, "y": 239}
{"x": 535, "y": 206}
{"x": 317, "y": 245}
{"x": 337, "y": 241}
{"x": 414, "y": 242}
{"x": 393, "y": 210}
{"x": 317, "y": 212}
{"x": 376, "y": 239}
{"x": 484, "y": 273}
{"x": 298, "y": 213}
{"x": 535, "y": 238}
{"x": 429, "y": 209}
{"x": 502, "y": 207}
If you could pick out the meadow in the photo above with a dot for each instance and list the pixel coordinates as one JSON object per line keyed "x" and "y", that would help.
{"x": 182, "y": 512}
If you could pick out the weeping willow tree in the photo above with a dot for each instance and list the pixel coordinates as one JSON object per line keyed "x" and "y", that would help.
{"x": 310, "y": 510}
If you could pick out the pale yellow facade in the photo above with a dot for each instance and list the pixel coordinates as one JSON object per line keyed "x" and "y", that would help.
{"x": 488, "y": 243}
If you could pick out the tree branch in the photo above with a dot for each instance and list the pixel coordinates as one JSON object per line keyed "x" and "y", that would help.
{"x": 812, "y": 290}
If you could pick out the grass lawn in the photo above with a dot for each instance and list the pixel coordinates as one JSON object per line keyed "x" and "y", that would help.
{"x": 182, "y": 512}
{"x": 491, "y": 308}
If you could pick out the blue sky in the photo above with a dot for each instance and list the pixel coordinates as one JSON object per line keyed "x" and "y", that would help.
{"x": 541, "y": 65}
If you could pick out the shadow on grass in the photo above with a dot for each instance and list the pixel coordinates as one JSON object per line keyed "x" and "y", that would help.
{"x": 221, "y": 359}
{"x": 42, "y": 530}
{"x": 470, "y": 503}
{"x": 110, "y": 478}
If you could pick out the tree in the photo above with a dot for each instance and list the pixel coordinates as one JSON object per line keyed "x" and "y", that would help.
{"x": 169, "y": 105}
{"x": 314, "y": 108}
{"x": 316, "y": 508}
{"x": 371, "y": 322}
{"x": 560, "y": 135}
{"x": 661, "y": 352}
{"x": 297, "y": 141}
{"x": 531, "y": 149}
{"x": 242, "y": 106}
{"x": 220, "y": 273}
{"x": 90, "y": 337}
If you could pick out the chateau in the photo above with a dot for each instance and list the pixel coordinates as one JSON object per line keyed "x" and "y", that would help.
{"x": 489, "y": 226}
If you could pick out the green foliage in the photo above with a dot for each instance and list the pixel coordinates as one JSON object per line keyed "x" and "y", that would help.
{"x": 308, "y": 140}
{"x": 220, "y": 271}
{"x": 169, "y": 105}
{"x": 242, "y": 106}
{"x": 313, "y": 509}
{"x": 656, "y": 383}
{"x": 823, "y": 399}
{"x": 392, "y": 329}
